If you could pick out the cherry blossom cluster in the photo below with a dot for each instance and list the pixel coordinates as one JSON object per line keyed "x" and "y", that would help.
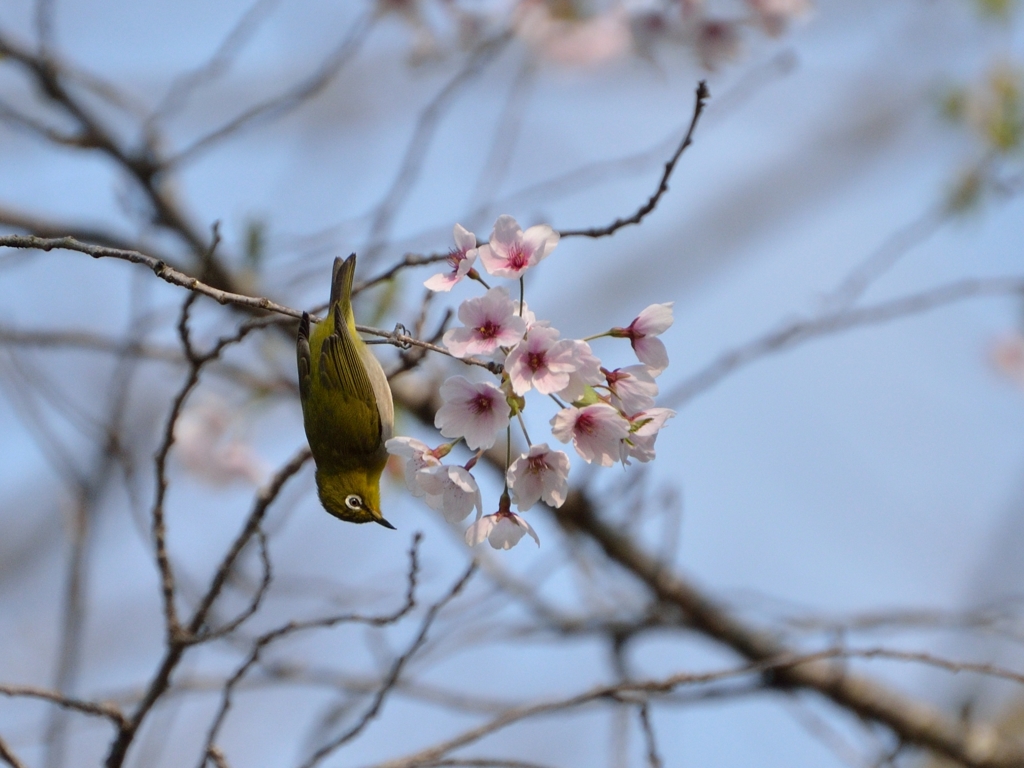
{"x": 590, "y": 34}
{"x": 609, "y": 415}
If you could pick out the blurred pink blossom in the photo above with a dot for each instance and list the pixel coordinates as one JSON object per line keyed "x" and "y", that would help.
{"x": 717, "y": 41}
{"x": 206, "y": 451}
{"x": 1007, "y": 356}
{"x": 581, "y": 42}
{"x": 774, "y": 15}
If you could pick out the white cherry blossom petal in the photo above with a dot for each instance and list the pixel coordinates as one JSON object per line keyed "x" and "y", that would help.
{"x": 477, "y": 412}
{"x": 511, "y": 251}
{"x": 644, "y": 428}
{"x": 540, "y": 361}
{"x": 418, "y": 456}
{"x": 587, "y": 371}
{"x": 595, "y": 430}
{"x": 653, "y": 321}
{"x": 539, "y": 474}
{"x": 451, "y": 490}
{"x": 460, "y": 260}
{"x": 502, "y": 530}
{"x": 489, "y": 322}
{"x": 633, "y": 388}
{"x": 652, "y": 353}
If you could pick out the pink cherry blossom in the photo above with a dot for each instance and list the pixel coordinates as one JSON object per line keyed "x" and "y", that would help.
{"x": 474, "y": 411}
{"x": 540, "y": 362}
{"x": 450, "y": 490}
{"x": 418, "y": 456}
{"x": 489, "y": 322}
{"x": 574, "y": 42}
{"x": 523, "y": 310}
{"x": 653, "y": 321}
{"x": 206, "y": 450}
{"x": 539, "y": 474}
{"x": 511, "y": 251}
{"x": 460, "y": 259}
{"x": 717, "y": 41}
{"x": 586, "y": 372}
{"x": 644, "y": 428}
{"x": 1007, "y": 355}
{"x": 595, "y": 431}
{"x": 503, "y": 530}
{"x": 774, "y": 15}
{"x": 633, "y": 388}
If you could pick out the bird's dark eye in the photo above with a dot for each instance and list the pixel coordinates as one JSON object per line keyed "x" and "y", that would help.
{"x": 353, "y": 502}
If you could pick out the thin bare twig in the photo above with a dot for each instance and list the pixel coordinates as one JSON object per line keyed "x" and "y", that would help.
{"x": 184, "y": 85}
{"x": 51, "y": 228}
{"x": 701, "y": 100}
{"x": 284, "y": 103}
{"x": 143, "y": 165}
{"x": 174, "y": 277}
{"x": 98, "y": 709}
{"x": 910, "y": 720}
{"x": 630, "y": 691}
{"x": 396, "y": 670}
{"x": 829, "y": 737}
{"x": 251, "y": 528}
{"x": 160, "y": 267}
{"x": 798, "y": 331}
{"x": 135, "y": 348}
{"x": 294, "y": 627}
{"x": 615, "y": 693}
{"x": 409, "y": 260}
{"x": 255, "y": 600}
{"x": 892, "y": 249}
{"x": 8, "y": 756}
{"x": 416, "y": 150}
{"x": 653, "y": 760}
{"x": 181, "y": 641}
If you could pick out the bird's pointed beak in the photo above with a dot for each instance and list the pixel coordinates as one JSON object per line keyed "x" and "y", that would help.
{"x": 385, "y": 523}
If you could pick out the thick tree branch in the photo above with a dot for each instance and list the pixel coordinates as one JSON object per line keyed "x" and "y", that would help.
{"x": 912, "y": 721}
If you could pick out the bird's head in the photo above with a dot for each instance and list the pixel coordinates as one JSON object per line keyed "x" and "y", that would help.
{"x": 352, "y": 495}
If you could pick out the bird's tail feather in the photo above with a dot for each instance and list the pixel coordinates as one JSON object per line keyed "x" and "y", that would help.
{"x": 341, "y": 286}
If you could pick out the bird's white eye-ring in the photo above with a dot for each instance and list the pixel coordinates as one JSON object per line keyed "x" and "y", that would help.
{"x": 352, "y": 501}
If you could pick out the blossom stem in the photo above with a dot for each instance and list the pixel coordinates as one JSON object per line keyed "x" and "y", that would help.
{"x": 526, "y": 434}
{"x": 522, "y": 294}
{"x": 558, "y": 400}
{"x": 474, "y": 275}
{"x": 508, "y": 455}
{"x": 472, "y": 462}
{"x": 597, "y": 336}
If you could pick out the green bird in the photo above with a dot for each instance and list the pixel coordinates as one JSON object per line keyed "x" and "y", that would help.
{"x": 346, "y": 407}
